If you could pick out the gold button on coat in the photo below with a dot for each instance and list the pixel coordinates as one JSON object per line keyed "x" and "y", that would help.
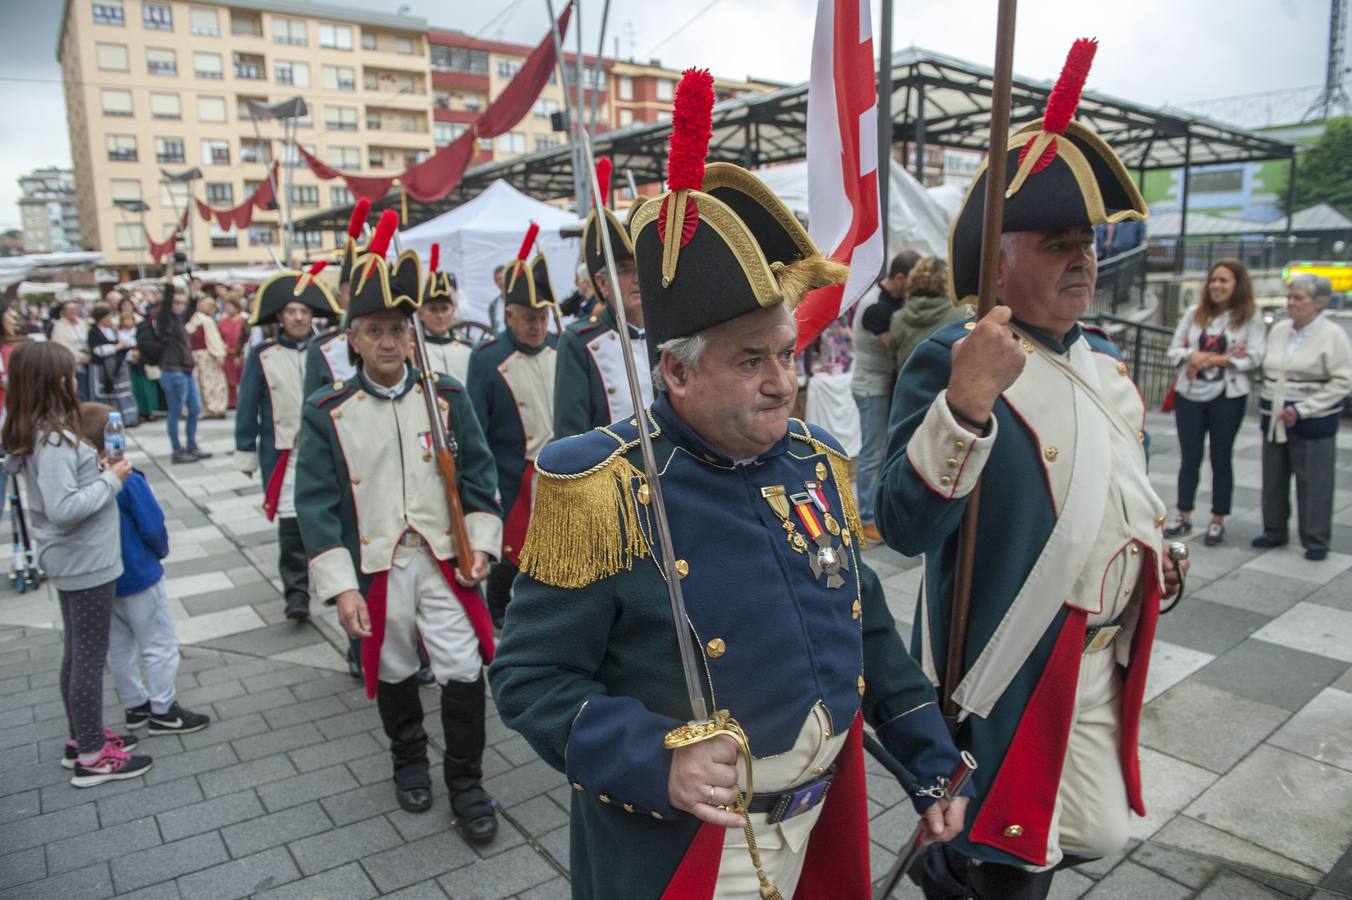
{"x": 822, "y": 471}
{"x": 356, "y": 479}
{"x": 969, "y": 325}
{"x": 576, "y": 786}
{"x": 945, "y": 480}
{"x": 1051, "y": 453}
{"x": 1121, "y": 368}
{"x": 959, "y": 445}
{"x": 682, "y": 568}
{"x": 644, "y": 495}
{"x": 861, "y": 685}
{"x": 952, "y": 462}
{"x": 1014, "y": 831}
{"x": 1159, "y": 521}
{"x": 1134, "y": 550}
{"x": 365, "y": 539}
{"x": 716, "y": 648}
{"x": 605, "y": 798}
{"x": 1027, "y": 346}
{"x": 856, "y": 610}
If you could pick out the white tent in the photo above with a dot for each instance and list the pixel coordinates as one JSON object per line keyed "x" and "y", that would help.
{"x": 478, "y": 236}
{"x": 916, "y": 221}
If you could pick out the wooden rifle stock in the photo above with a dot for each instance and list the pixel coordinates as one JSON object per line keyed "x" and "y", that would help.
{"x": 464, "y": 554}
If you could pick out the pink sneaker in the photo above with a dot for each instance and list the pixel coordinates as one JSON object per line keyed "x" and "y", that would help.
{"x": 124, "y": 742}
{"x": 112, "y": 764}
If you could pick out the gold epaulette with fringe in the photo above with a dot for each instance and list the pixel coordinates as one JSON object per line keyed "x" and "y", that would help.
{"x": 840, "y": 471}
{"x": 584, "y": 526}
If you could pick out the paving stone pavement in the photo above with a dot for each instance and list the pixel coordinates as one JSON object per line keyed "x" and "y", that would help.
{"x": 1247, "y": 737}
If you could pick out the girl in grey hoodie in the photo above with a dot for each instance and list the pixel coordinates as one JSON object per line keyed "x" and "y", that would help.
{"x": 73, "y": 515}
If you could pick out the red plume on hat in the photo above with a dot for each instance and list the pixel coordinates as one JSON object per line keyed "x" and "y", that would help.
{"x": 691, "y": 128}
{"x": 304, "y": 280}
{"x": 520, "y": 265}
{"x": 380, "y": 242}
{"x": 603, "y": 179}
{"x": 434, "y": 260}
{"x": 1064, "y": 99}
{"x": 358, "y": 219}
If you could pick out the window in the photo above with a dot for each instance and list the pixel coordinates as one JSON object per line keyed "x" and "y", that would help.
{"x": 473, "y": 102}
{"x": 130, "y": 236}
{"x": 250, "y": 66}
{"x": 220, "y": 193}
{"x": 288, "y": 31}
{"x": 121, "y": 147}
{"x": 220, "y": 237}
{"x": 441, "y": 100}
{"x": 508, "y": 67}
{"x": 403, "y": 45}
{"x": 338, "y": 78}
{"x": 369, "y": 41}
{"x": 174, "y": 194}
{"x": 340, "y": 118}
{"x": 626, "y": 88}
{"x": 306, "y": 195}
{"x": 1223, "y": 182}
{"x": 112, "y": 57}
{"x": 165, "y": 106}
{"x": 458, "y": 59}
{"x": 160, "y": 61}
{"x": 252, "y": 150}
{"x": 109, "y": 12}
{"x": 211, "y": 109}
{"x": 412, "y": 159}
{"x": 543, "y": 109}
{"x": 335, "y": 37}
{"x": 665, "y": 89}
{"x": 376, "y": 157}
{"x": 243, "y": 24}
{"x": 309, "y": 239}
{"x": 547, "y": 141}
{"x": 441, "y": 133}
{"x": 208, "y": 65}
{"x": 215, "y": 152}
{"x": 340, "y": 196}
{"x": 296, "y": 74}
{"x": 486, "y": 144}
{"x": 626, "y": 117}
{"x": 345, "y": 158}
{"x": 512, "y": 142}
{"x": 125, "y": 188}
{"x": 204, "y": 22}
{"x": 262, "y": 235}
{"x": 290, "y": 158}
{"x": 157, "y": 16}
{"x": 116, "y": 103}
{"x": 169, "y": 150}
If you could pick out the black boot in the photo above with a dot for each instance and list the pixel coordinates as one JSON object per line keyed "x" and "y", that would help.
{"x": 499, "y": 590}
{"x": 941, "y": 873}
{"x": 990, "y": 881}
{"x": 402, "y": 715}
{"x": 462, "y": 718}
{"x": 293, "y": 566}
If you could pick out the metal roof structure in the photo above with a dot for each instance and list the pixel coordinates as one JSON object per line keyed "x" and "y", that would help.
{"x": 936, "y": 100}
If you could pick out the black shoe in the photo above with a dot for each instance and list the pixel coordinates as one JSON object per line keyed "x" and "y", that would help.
{"x": 298, "y": 609}
{"x": 414, "y": 799}
{"x": 138, "y": 716}
{"x": 124, "y": 742}
{"x": 1315, "y": 554}
{"x": 1263, "y": 542}
{"x": 177, "y": 720}
{"x": 425, "y": 676}
{"x": 199, "y": 453}
{"x": 183, "y": 456}
{"x": 113, "y": 764}
{"x": 1180, "y": 528}
{"x": 1215, "y": 534}
{"x": 475, "y": 814}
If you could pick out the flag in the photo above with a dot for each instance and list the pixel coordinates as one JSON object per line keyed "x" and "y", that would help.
{"x": 842, "y": 160}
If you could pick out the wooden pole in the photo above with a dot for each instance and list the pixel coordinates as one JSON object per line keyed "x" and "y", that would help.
{"x": 990, "y": 266}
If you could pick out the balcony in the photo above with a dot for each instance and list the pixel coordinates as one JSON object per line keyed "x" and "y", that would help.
{"x": 122, "y": 155}
{"x": 246, "y": 25}
{"x": 167, "y": 156}
{"x": 250, "y": 67}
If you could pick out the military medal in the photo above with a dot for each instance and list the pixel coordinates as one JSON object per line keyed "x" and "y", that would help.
{"x": 818, "y": 494}
{"x": 777, "y": 497}
{"x": 828, "y": 560}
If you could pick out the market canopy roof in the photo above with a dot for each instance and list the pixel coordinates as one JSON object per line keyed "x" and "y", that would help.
{"x": 936, "y": 99}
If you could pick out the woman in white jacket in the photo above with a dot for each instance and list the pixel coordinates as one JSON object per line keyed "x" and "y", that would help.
{"x": 1217, "y": 343}
{"x": 1307, "y": 374}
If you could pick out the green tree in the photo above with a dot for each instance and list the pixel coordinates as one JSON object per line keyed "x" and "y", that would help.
{"x": 1324, "y": 172}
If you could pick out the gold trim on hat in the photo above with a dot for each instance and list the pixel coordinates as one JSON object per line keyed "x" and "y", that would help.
{"x": 257, "y": 305}
{"x": 722, "y": 174}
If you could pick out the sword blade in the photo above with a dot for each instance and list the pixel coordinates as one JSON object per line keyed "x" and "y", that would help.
{"x": 690, "y": 664}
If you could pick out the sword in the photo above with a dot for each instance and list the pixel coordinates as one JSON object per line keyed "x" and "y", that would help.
{"x": 956, "y": 782}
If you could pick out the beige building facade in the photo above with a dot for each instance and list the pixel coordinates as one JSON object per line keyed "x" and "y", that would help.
{"x": 156, "y": 87}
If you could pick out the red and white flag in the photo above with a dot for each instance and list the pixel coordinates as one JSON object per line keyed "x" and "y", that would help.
{"x": 842, "y": 160}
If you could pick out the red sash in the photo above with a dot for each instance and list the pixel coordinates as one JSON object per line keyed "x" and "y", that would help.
{"x": 273, "y": 493}
{"x": 518, "y": 519}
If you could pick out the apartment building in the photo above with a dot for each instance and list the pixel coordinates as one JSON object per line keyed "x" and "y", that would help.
{"x": 48, "y": 211}
{"x": 162, "y": 86}
{"x": 468, "y": 73}
{"x": 643, "y": 91}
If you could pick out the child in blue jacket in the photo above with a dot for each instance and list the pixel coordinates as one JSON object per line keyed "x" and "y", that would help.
{"x": 141, "y": 618}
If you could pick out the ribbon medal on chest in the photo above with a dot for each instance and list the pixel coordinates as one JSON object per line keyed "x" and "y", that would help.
{"x": 815, "y": 514}
{"x": 778, "y": 498}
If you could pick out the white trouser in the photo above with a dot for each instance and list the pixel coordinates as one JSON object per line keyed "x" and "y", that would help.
{"x": 783, "y": 846}
{"x": 142, "y": 620}
{"x": 1091, "y": 817}
{"x": 419, "y": 602}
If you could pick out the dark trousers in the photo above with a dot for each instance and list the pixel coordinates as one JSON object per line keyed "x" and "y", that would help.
{"x": 1219, "y": 418}
{"x": 1311, "y": 461}
{"x": 85, "y": 616}
{"x": 498, "y": 590}
{"x": 292, "y": 563}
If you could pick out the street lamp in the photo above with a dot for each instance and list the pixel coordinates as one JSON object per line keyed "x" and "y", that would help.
{"x": 287, "y": 112}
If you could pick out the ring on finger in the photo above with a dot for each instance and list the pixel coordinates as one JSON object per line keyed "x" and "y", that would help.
{"x": 712, "y": 801}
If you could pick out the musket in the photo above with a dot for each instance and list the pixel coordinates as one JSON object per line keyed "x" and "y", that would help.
{"x": 443, "y": 444}
{"x": 990, "y": 265}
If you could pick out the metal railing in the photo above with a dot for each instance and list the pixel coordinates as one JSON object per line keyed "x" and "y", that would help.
{"x": 1145, "y": 348}
{"x": 1121, "y": 282}
{"x": 1258, "y": 254}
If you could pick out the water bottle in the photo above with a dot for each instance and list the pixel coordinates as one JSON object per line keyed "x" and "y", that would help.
{"x": 114, "y": 437}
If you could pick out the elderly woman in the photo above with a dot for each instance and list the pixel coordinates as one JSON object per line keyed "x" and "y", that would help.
{"x": 208, "y": 352}
{"x": 1307, "y": 374}
{"x": 72, "y": 332}
{"x": 110, "y": 371}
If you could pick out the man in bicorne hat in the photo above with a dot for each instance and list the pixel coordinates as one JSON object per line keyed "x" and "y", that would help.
{"x": 790, "y": 629}
{"x": 1070, "y": 554}
{"x": 267, "y": 420}
{"x": 447, "y": 352}
{"x": 376, "y": 521}
{"x": 590, "y": 386}
{"x": 511, "y": 383}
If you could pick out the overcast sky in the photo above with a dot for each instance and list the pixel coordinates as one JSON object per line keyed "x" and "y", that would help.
{"x": 1151, "y": 51}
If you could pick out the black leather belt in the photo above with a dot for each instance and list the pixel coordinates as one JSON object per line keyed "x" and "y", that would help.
{"x": 795, "y": 801}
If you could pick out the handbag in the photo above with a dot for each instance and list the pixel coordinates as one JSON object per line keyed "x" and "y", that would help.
{"x": 1168, "y": 404}
{"x": 152, "y": 373}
